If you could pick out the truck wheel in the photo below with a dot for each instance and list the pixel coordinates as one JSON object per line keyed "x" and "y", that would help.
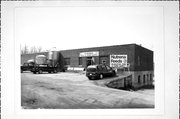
{"x": 101, "y": 76}
{"x": 55, "y": 71}
{"x": 40, "y": 71}
{"x": 34, "y": 72}
{"x": 21, "y": 71}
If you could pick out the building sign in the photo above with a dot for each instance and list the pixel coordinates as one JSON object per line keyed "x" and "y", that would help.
{"x": 89, "y": 54}
{"x": 118, "y": 61}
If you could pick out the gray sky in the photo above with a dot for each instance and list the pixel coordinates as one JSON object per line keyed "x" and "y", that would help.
{"x": 82, "y": 27}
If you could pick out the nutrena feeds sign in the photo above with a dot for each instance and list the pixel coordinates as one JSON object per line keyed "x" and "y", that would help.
{"x": 118, "y": 61}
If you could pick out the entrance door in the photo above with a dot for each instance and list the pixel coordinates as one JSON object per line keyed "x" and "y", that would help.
{"x": 89, "y": 61}
{"x": 104, "y": 60}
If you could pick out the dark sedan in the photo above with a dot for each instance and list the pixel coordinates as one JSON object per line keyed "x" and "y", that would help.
{"x": 99, "y": 71}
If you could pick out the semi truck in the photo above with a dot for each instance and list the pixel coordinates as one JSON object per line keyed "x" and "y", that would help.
{"x": 47, "y": 63}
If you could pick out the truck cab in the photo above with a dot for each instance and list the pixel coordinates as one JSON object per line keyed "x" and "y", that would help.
{"x": 27, "y": 66}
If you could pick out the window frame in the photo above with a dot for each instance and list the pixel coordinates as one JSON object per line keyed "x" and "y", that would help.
{"x": 139, "y": 79}
{"x": 80, "y": 61}
{"x": 65, "y": 61}
{"x": 144, "y": 78}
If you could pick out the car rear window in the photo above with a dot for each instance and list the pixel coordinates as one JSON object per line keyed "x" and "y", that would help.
{"x": 91, "y": 69}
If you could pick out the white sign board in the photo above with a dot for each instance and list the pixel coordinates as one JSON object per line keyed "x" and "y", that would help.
{"x": 118, "y": 61}
{"x": 89, "y": 54}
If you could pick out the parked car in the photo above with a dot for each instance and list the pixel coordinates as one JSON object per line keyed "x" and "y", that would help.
{"x": 27, "y": 67}
{"x": 99, "y": 71}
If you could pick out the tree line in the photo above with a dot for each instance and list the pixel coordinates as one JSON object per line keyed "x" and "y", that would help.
{"x": 29, "y": 50}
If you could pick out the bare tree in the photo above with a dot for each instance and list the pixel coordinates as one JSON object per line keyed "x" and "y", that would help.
{"x": 34, "y": 49}
{"x": 24, "y": 50}
{"x": 39, "y": 49}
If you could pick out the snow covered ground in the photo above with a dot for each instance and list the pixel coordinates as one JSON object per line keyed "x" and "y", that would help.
{"x": 67, "y": 90}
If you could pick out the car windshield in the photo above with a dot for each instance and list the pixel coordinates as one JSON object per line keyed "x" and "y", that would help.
{"x": 91, "y": 69}
{"x": 25, "y": 64}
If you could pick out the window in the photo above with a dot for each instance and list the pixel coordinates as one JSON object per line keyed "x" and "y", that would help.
{"x": 80, "y": 60}
{"x": 144, "y": 78}
{"x": 91, "y": 69}
{"x": 66, "y": 61}
{"x": 31, "y": 64}
{"x": 108, "y": 68}
{"x": 139, "y": 61}
{"x": 25, "y": 64}
{"x": 150, "y": 77}
{"x": 104, "y": 68}
{"x": 139, "y": 79}
{"x": 99, "y": 68}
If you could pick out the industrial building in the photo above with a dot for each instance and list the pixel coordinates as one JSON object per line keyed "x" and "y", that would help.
{"x": 130, "y": 58}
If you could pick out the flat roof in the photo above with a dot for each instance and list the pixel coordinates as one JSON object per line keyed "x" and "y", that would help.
{"x": 101, "y": 47}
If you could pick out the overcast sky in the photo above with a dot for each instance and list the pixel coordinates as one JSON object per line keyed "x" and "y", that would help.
{"x": 82, "y": 27}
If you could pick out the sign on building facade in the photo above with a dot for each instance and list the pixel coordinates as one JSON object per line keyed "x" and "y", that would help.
{"x": 118, "y": 61}
{"x": 89, "y": 54}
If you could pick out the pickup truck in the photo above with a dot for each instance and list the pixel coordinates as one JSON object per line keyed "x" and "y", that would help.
{"x": 40, "y": 68}
{"x": 27, "y": 67}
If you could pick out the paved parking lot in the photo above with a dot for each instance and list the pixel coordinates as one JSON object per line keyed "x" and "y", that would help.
{"x": 67, "y": 90}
